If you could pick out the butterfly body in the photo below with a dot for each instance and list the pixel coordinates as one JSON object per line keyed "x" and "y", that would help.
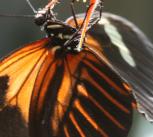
{"x": 61, "y": 90}
{"x": 62, "y": 33}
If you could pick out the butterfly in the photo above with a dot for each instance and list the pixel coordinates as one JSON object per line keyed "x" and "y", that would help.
{"x": 65, "y": 84}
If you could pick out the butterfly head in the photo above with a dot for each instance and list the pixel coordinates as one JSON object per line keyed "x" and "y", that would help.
{"x": 61, "y": 33}
{"x": 44, "y": 15}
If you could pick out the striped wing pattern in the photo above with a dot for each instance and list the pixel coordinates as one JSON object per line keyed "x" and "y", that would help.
{"x": 79, "y": 95}
{"x": 130, "y": 53}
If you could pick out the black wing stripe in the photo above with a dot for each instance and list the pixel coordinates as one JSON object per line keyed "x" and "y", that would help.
{"x": 104, "y": 84}
{"x": 110, "y": 88}
{"x": 89, "y": 119}
{"x": 101, "y": 119}
{"x": 106, "y": 94}
{"x": 44, "y": 100}
{"x": 75, "y": 122}
{"x": 104, "y": 76}
{"x": 72, "y": 128}
{"x": 120, "y": 115}
{"x": 100, "y": 107}
{"x": 102, "y": 67}
{"x": 110, "y": 109}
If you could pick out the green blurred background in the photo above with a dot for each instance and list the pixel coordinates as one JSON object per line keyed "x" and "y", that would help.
{"x": 15, "y": 32}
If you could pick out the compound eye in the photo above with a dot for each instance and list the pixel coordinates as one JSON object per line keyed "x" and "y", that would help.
{"x": 40, "y": 19}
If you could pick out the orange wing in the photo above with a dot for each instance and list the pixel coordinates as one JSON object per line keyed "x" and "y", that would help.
{"x": 18, "y": 73}
{"x": 79, "y": 95}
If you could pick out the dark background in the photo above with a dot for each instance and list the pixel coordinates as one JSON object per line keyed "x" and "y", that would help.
{"x": 15, "y": 32}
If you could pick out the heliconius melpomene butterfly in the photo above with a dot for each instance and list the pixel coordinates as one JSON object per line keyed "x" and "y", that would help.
{"x": 65, "y": 84}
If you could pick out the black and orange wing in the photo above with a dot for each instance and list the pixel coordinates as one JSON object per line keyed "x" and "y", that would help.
{"x": 18, "y": 73}
{"x": 130, "y": 53}
{"x": 79, "y": 95}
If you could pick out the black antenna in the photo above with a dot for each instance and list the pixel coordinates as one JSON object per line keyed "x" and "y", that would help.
{"x": 73, "y": 14}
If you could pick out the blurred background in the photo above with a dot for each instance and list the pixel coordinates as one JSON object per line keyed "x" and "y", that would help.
{"x": 15, "y": 32}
